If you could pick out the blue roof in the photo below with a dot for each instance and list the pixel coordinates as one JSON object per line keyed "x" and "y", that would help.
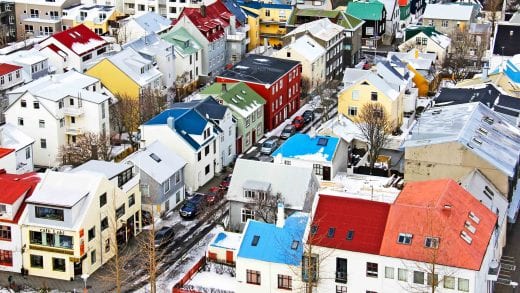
{"x": 275, "y": 244}
{"x": 258, "y": 5}
{"x": 236, "y": 10}
{"x": 512, "y": 71}
{"x": 302, "y": 146}
{"x": 152, "y": 22}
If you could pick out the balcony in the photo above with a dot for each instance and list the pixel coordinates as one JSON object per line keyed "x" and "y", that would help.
{"x": 73, "y": 111}
{"x": 271, "y": 35}
{"x": 237, "y": 37}
{"x": 72, "y": 130}
{"x": 341, "y": 277}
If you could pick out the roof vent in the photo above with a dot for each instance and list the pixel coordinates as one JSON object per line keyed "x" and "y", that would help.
{"x": 295, "y": 244}
{"x": 447, "y": 206}
{"x": 255, "y": 240}
{"x": 488, "y": 120}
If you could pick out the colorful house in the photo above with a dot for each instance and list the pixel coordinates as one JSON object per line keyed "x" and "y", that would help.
{"x": 253, "y": 20}
{"x": 247, "y": 107}
{"x": 374, "y": 14}
{"x": 423, "y": 67}
{"x": 404, "y": 10}
{"x": 425, "y": 39}
{"x": 96, "y": 17}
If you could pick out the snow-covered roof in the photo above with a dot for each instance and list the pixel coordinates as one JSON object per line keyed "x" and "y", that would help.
{"x": 353, "y": 76}
{"x": 149, "y": 45}
{"x": 90, "y": 12}
{"x": 79, "y": 39}
{"x": 152, "y": 22}
{"x": 448, "y": 11}
{"x": 304, "y": 147}
{"x": 108, "y": 169}
{"x": 13, "y": 138}
{"x": 167, "y": 163}
{"x": 307, "y": 47}
{"x": 360, "y": 186}
{"x": 226, "y": 240}
{"x": 323, "y": 29}
{"x": 131, "y": 62}
{"x": 24, "y": 57}
{"x": 423, "y": 61}
{"x": 343, "y": 128}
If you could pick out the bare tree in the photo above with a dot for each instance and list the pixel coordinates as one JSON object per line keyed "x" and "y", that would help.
{"x": 124, "y": 116}
{"x": 493, "y": 7}
{"x": 265, "y": 206}
{"x": 466, "y": 54}
{"x": 305, "y": 86}
{"x": 88, "y": 146}
{"x": 151, "y": 103}
{"x": 512, "y": 5}
{"x": 375, "y": 125}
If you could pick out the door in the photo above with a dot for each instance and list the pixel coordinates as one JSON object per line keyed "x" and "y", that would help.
{"x": 326, "y": 173}
{"x": 239, "y": 145}
{"x": 254, "y": 136}
{"x": 78, "y": 268}
{"x": 229, "y": 256}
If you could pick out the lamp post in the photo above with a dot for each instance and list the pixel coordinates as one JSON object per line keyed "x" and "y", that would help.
{"x": 85, "y": 277}
{"x": 514, "y": 285}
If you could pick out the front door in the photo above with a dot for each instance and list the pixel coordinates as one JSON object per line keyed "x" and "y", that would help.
{"x": 229, "y": 256}
{"x": 326, "y": 173}
{"x": 78, "y": 268}
{"x": 239, "y": 145}
{"x": 254, "y": 136}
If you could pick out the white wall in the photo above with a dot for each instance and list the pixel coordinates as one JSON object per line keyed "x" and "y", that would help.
{"x": 8, "y": 162}
{"x": 182, "y": 64}
{"x": 268, "y": 276}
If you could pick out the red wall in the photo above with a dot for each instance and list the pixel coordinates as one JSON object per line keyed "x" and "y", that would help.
{"x": 274, "y": 117}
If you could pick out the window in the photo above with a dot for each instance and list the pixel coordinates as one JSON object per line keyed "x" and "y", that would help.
{"x": 103, "y": 200}
{"x": 310, "y": 268}
{"x": 93, "y": 257}
{"x": 66, "y": 241}
{"x": 424, "y": 41}
{"x": 58, "y": 264}
{"x": 369, "y": 31}
{"x": 166, "y": 186}
{"x": 50, "y": 239}
{"x": 6, "y": 258}
{"x": 253, "y": 277}
{"x": 284, "y": 282}
{"x": 372, "y": 269}
{"x": 49, "y": 213}
{"x": 131, "y": 200}
{"x": 101, "y": 51}
{"x": 43, "y": 143}
{"x": 404, "y": 238}
{"x": 318, "y": 169}
{"x": 107, "y": 245}
{"x": 373, "y": 96}
{"x": 352, "y": 111}
{"x": 23, "y": 103}
{"x": 41, "y": 123}
{"x": 389, "y": 272}
{"x": 444, "y": 23}
{"x": 36, "y": 105}
{"x": 350, "y": 234}
{"x": 248, "y": 122}
{"x": 247, "y": 214}
{"x": 120, "y": 211}
{"x": 330, "y": 233}
{"x": 104, "y": 223}
{"x": 35, "y": 13}
{"x": 207, "y": 170}
{"x": 20, "y": 121}
{"x": 35, "y": 237}
{"x": 402, "y": 275}
{"x": 355, "y": 95}
{"x": 36, "y": 261}
{"x": 206, "y": 150}
{"x": 91, "y": 233}
{"x": 54, "y": 14}
{"x": 29, "y": 29}
{"x": 431, "y": 242}
{"x": 449, "y": 282}
{"x": 341, "y": 289}
{"x": 463, "y": 285}
{"x": 341, "y": 270}
{"x": 199, "y": 156}
{"x": 5, "y": 233}
{"x": 418, "y": 277}
{"x": 434, "y": 278}
{"x": 62, "y": 122}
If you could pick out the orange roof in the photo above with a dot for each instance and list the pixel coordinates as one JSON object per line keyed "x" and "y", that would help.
{"x": 403, "y": 2}
{"x": 439, "y": 208}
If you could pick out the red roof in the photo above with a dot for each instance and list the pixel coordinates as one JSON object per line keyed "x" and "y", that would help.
{"x": 5, "y": 68}
{"x": 14, "y": 186}
{"x": 403, "y": 2}
{"x": 367, "y": 220}
{"x": 213, "y": 24}
{"x": 439, "y": 208}
{"x": 79, "y": 39}
{"x": 4, "y": 152}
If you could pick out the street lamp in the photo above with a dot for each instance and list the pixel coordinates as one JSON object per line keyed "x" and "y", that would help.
{"x": 85, "y": 277}
{"x": 513, "y": 284}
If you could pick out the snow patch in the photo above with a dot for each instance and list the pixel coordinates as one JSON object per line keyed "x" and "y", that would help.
{"x": 80, "y": 48}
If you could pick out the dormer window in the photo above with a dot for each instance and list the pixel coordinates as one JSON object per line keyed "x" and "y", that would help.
{"x": 142, "y": 70}
{"x": 404, "y": 238}
{"x": 431, "y": 242}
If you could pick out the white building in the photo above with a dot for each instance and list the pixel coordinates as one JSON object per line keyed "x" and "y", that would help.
{"x": 168, "y": 9}
{"x": 10, "y": 76}
{"x": 425, "y": 40}
{"x": 34, "y": 63}
{"x": 135, "y": 27}
{"x": 21, "y": 144}
{"x": 188, "y": 54}
{"x": 55, "y": 109}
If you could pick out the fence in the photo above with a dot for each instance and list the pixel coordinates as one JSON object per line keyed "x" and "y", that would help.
{"x": 177, "y": 288}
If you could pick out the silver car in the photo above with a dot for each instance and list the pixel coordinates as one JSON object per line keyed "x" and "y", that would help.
{"x": 269, "y": 146}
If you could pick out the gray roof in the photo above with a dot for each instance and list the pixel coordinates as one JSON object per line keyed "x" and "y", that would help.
{"x": 474, "y": 126}
{"x": 153, "y": 22}
{"x": 169, "y": 164}
{"x": 291, "y": 182}
{"x": 448, "y": 11}
{"x": 108, "y": 169}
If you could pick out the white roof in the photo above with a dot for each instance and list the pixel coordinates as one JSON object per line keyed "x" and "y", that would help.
{"x": 65, "y": 189}
{"x": 13, "y": 138}
{"x": 353, "y": 76}
{"x": 423, "y": 60}
{"x": 389, "y": 7}
{"x": 323, "y": 29}
{"x": 131, "y": 62}
{"x": 448, "y": 11}
{"x": 307, "y": 47}
{"x": 151, "y": 45}
{"x": 93, "y": 12}
{"x": 24, "y": 57}
{"x": 169, "y": 164}
{"x": 108, "y": 169}
{"x": 41, "y": 2}
{"x": 291, "y": 182}
{"x": 343, "y": 128}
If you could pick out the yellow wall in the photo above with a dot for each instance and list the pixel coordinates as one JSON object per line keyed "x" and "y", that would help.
{"x": 254, "y": 32}
{"x": 393, "y": 107}
{"x": 114, "y": 79}
{"x": 420, "y": 82}
{"x": 276, "y": 15}
{"x": 103, "y": 25}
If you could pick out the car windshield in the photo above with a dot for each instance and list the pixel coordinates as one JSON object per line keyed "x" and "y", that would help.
{"x": 189, "y": 204}
{"x": 287, "y": 129}
{"x": 268, "y": 144}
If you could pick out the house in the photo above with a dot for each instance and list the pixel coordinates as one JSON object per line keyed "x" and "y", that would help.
{"x": 331, "y": 37}
{"x": 188, "y": 59}
{"x": 506, "y": 34}
{"x": 73, "y": 48}
{"x": 162, "y": 177}
{"x": 191, "y": 136}
{"x": 393, "y": 19}
{"x": 74, "y": 220}
{"x": 326, "y": 155}
{"x": 246, "y": 107}
{"x": 276, "y": 80}
{"x": 34, "y": 64}
{"x": 365, "y": 86}
{"x": 256, "y": 180}
{"x": 448, "y": 17}
{"x": 423, "y": 67}
{"x": 127, "y": 73}
{"x": 223, "y": 248}
{"x": 21, "y": 145}
{"x": 352, "y": 27}
{"x": 417, "y": 8}
{"x": 55, "y": 109}
{"x": 97, "y": 17}
{"x": 10, "y": 77}
{"x": 160, "y": 52}
{"x": 271, "y": 20}
{"x": 166, "y": 9}
{"x": 374, "y": 15}
{"x": 478, "y": 139}
{"x": 7, "y": 160}
{"x": 39, "y": 17}
{"x": 137, "y": 26}
{"x": 312, "y": 57}
{"x": 390, "y": 253}
{"x": 7, "y": 20}
{"x": 270, "y": 254}
{"x": 425, "y": 39}
{"x": 404, "y": 13}
{"x": 16, "y": 188}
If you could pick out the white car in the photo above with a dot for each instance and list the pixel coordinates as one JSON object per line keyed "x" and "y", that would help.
{"x": 269, "y": 146}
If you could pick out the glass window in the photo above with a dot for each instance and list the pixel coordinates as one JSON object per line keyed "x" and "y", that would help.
{"x": 93, "y": 257}
{"x": 58, "y": 264}
{"x": 402, "y": 275}
{"x": 131, "y": 200}
{"x": 253, "y": 277}
{"x": 372, "y": 269}
{"x": 49, "y": 213}
{"x": 66, "y": 241}
{"x": 389, "y": 272}
{"x": 418, "y": 277}
{"x": 166, "y": 186}
{"x": 5, "y": 233}
{"x": 6, "y": 258}
{"x": 43, "y": 142}
{"x": 449, "y": 282}
{"x": 120, "y": 211}
{"x": 284, "y": 282}
{"x": 104, "y": 223}
{"x": 463, "y": 285}
{"x": 103, "y": 199}
{"x": 247, "y": 214}
{"x": 434, "y": 278}
{"x": 91, "y": 233}
{"x": 35, "y": 237}
{"x": 36, "y": 261}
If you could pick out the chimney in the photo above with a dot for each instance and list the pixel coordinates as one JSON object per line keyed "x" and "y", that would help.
{"x": 203, "y": 10}
{"x": 232, "y": 25}
{"x": 171, "y": 122}
{"x": 224, "y": 87}
{"x": 280, "y": 215}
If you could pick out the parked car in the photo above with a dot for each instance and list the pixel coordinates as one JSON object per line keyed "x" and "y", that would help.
{"x": 288, "y": 131}
{"x": 224, "y": 184}
{"x": 164, "y": 236}
{"x": 214, "y": 195}
{"x": 193, "y": 206}
{"x": 298, "y": 122}
{"x": 308, "y": 116}
{"x": 269, "y": 146}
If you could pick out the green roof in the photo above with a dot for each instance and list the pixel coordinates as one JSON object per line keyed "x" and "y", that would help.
{"x": 366, "y": 10}
{"x": 349, "y": 21}
{"x": 413, "y": 31}
{"x": 182, "y": 41}
{"x": 341, "y": 18}
{"x": 238, "y": 95}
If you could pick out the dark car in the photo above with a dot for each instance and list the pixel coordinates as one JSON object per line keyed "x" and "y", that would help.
{"x": 298, "y": 122}
{"x": 308, "y": 116}
{"x": 214, "y": 195}
{"x": 163, "y": 236}
{"x": 288, "y": 131}
{"x": 224, "y": 184}
{"x": 193, "y": 206}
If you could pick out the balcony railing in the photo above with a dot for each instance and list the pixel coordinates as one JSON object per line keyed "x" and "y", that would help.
{"x": 341, "y": 277}
{"x": 73, "y": 111}
{"x": 71, "y": 130}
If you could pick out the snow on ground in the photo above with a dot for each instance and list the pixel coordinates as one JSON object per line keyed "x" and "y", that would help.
{"x": 215, "y": 277}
